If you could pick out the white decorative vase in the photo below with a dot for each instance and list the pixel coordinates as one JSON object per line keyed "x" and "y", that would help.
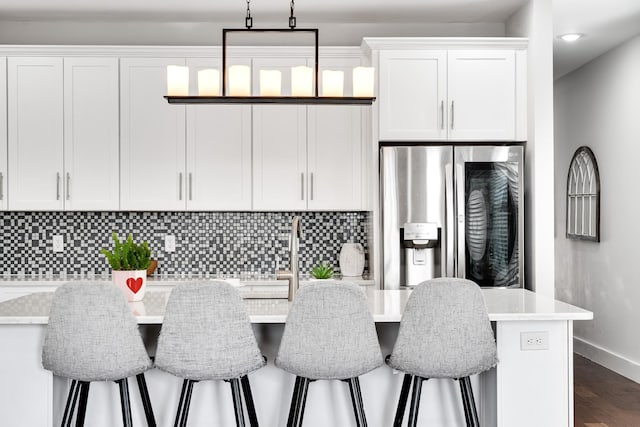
{"x": 132, "y": 283}
{"x": 352, "y": 260}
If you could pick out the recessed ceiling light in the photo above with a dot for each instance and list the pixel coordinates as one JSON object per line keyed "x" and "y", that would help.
{"x": 571, "y": 37}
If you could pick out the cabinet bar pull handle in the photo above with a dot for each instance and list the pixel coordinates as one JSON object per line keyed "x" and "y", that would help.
{"x": 1, "y": 184}
{"x": 302, "y": 186}
{"x": 57, "y": 185}
{"x": 442, "y": 114}
{"x": 452, "y": 113}
{"x": 68, "y": 186}
{"x": 311, "y": 185}
{"x": 190, "y": 186}
{"x": 180, "y": 187}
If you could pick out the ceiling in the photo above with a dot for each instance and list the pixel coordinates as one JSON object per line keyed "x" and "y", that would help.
{"x": 264, "y": 10}
{"x": 606, "y": 23}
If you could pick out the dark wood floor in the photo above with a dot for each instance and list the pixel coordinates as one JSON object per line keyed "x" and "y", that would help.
{"x": 604, "y": 398}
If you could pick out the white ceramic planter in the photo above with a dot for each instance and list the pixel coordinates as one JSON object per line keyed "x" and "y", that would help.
{"x": 132, "y": 283}
{"x": 352, "y": 260}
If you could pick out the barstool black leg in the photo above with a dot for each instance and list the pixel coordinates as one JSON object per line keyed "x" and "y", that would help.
{"x": 237, "y": 402}
{"x": 125, "y": 402}
{"x": 248, "y": 399}
{"x": 402, "y": 402}
{"x": 146, "y": 401}
{"x": 82, "y": 406}
{"x": 473, "y": 413}
{"x": 356, "y": 401}
{"x": 72, "y": 398}
{"x": 304, "y": 389}
{"x": 183, "y": 405}
{"x": 187, "y": 403}
{"x": 465, "y": 403}
{"x": 295, "y": 398}
{"x": 178, "y": 419}
{"x": 415, "y": 401}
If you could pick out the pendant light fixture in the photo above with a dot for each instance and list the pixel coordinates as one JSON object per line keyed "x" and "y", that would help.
{"x": 236, "y": 79}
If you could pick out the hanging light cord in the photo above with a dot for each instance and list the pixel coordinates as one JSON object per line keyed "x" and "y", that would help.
{"x": 292, "y": 19}
{"x": 248, "y": 21}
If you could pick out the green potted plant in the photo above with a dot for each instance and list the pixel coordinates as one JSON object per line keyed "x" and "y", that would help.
{"x": 322, "y": 271}
{"x": 129, "y": 262}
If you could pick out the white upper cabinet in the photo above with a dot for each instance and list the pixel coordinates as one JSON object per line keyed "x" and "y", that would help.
{"x": 3, "y": 134}
{"x": 219, "y": 157}
{"x": 152, "y": 138}
{"x": 308, "y": 157}
{"x": 35, "y": 131}
{"x": 91, "y": 137}
{"x": 451, "y": 89}
{"x": 218, "y": 151}
{"x": 335, "y": 158}
{"x": 279, "y": 158}
{"x": 482, "y": 95}
{"x": 413, "y": 86}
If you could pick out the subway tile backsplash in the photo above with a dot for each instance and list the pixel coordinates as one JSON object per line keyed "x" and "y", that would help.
{"x": 222, "y": 243}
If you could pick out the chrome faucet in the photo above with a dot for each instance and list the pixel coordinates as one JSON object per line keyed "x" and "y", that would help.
{"x": 291, "y": 274}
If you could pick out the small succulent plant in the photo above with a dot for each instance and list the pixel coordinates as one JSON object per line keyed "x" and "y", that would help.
{"x": 127, "y": 255}
{"x": 322, "y": 271}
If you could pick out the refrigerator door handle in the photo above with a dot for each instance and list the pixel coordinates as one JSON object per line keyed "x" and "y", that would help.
{"x": 450, "y": 226}
{"x": 461, "y": 219}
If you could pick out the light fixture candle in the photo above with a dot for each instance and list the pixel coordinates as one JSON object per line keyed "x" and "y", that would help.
{"x": 363, "y": 82}
{"x": 177, "y": 80}
{"x": 332, "y": 83}
{"x": 301, "y": 81}
{"x": 209, "y": 82}
{"x": 270, "y": 83}
{"x": 239, "y": 80}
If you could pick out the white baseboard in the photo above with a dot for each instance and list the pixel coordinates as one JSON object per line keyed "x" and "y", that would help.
{"x": 620, "y": 364}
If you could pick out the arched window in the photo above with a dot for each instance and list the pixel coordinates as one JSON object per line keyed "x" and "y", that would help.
{"x": 583, "y": 197}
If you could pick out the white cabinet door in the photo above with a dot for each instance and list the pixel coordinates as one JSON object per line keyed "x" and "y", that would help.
{"x": 152, "y": 137}
{"x": 35, "y": 130}
{"x": 481, "y": 91}
{"x": 3, "y": 134}
{"x": 91, "y": 134}
{"x": 279, "y": 158}
{"x": 412, "y": 95}
{"x": 219, "y": 157}
{"x": 218, "y": 151}
{"x": 335, "y": 158}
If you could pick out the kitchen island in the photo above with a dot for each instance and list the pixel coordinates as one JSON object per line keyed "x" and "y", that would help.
{"x": 531, "y": 386}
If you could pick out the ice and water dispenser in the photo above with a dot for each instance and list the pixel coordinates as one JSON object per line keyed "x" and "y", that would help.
{"x": 419, "y": 241}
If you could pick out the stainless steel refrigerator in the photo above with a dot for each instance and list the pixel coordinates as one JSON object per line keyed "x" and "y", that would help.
{"x": 452, "y": 211}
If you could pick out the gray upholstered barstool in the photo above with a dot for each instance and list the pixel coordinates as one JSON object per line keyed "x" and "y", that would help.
{"x": 329, "y": 335}
{"x": 206, "y": 335}
{"x": 445, "y": 332}
{"x": 92, "y": 336}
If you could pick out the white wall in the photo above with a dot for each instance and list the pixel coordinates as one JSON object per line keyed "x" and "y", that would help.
{"x": 534, "y": 20}
{"x": 598, "y": 106}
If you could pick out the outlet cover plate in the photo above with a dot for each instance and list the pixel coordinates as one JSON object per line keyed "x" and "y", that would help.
{"x": 170, "y": 243}
{"x": 534, "y": 340}
{"x": 58, "y": 243}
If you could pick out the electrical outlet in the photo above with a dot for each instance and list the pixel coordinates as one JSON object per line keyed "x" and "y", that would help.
{"x": 534, "y": 340}
{"x": 58, "y": 243}
{"x": 169, "y": 243}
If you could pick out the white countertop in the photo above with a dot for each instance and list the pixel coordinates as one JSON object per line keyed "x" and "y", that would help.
{"x": 249, "y": 288}
{"x": 385, "y": 306}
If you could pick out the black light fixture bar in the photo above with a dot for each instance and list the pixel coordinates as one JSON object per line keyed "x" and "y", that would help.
{"x": 224, "y": 99}
{"x": 315, "y": 100}
{"x": 225, "y": 31}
